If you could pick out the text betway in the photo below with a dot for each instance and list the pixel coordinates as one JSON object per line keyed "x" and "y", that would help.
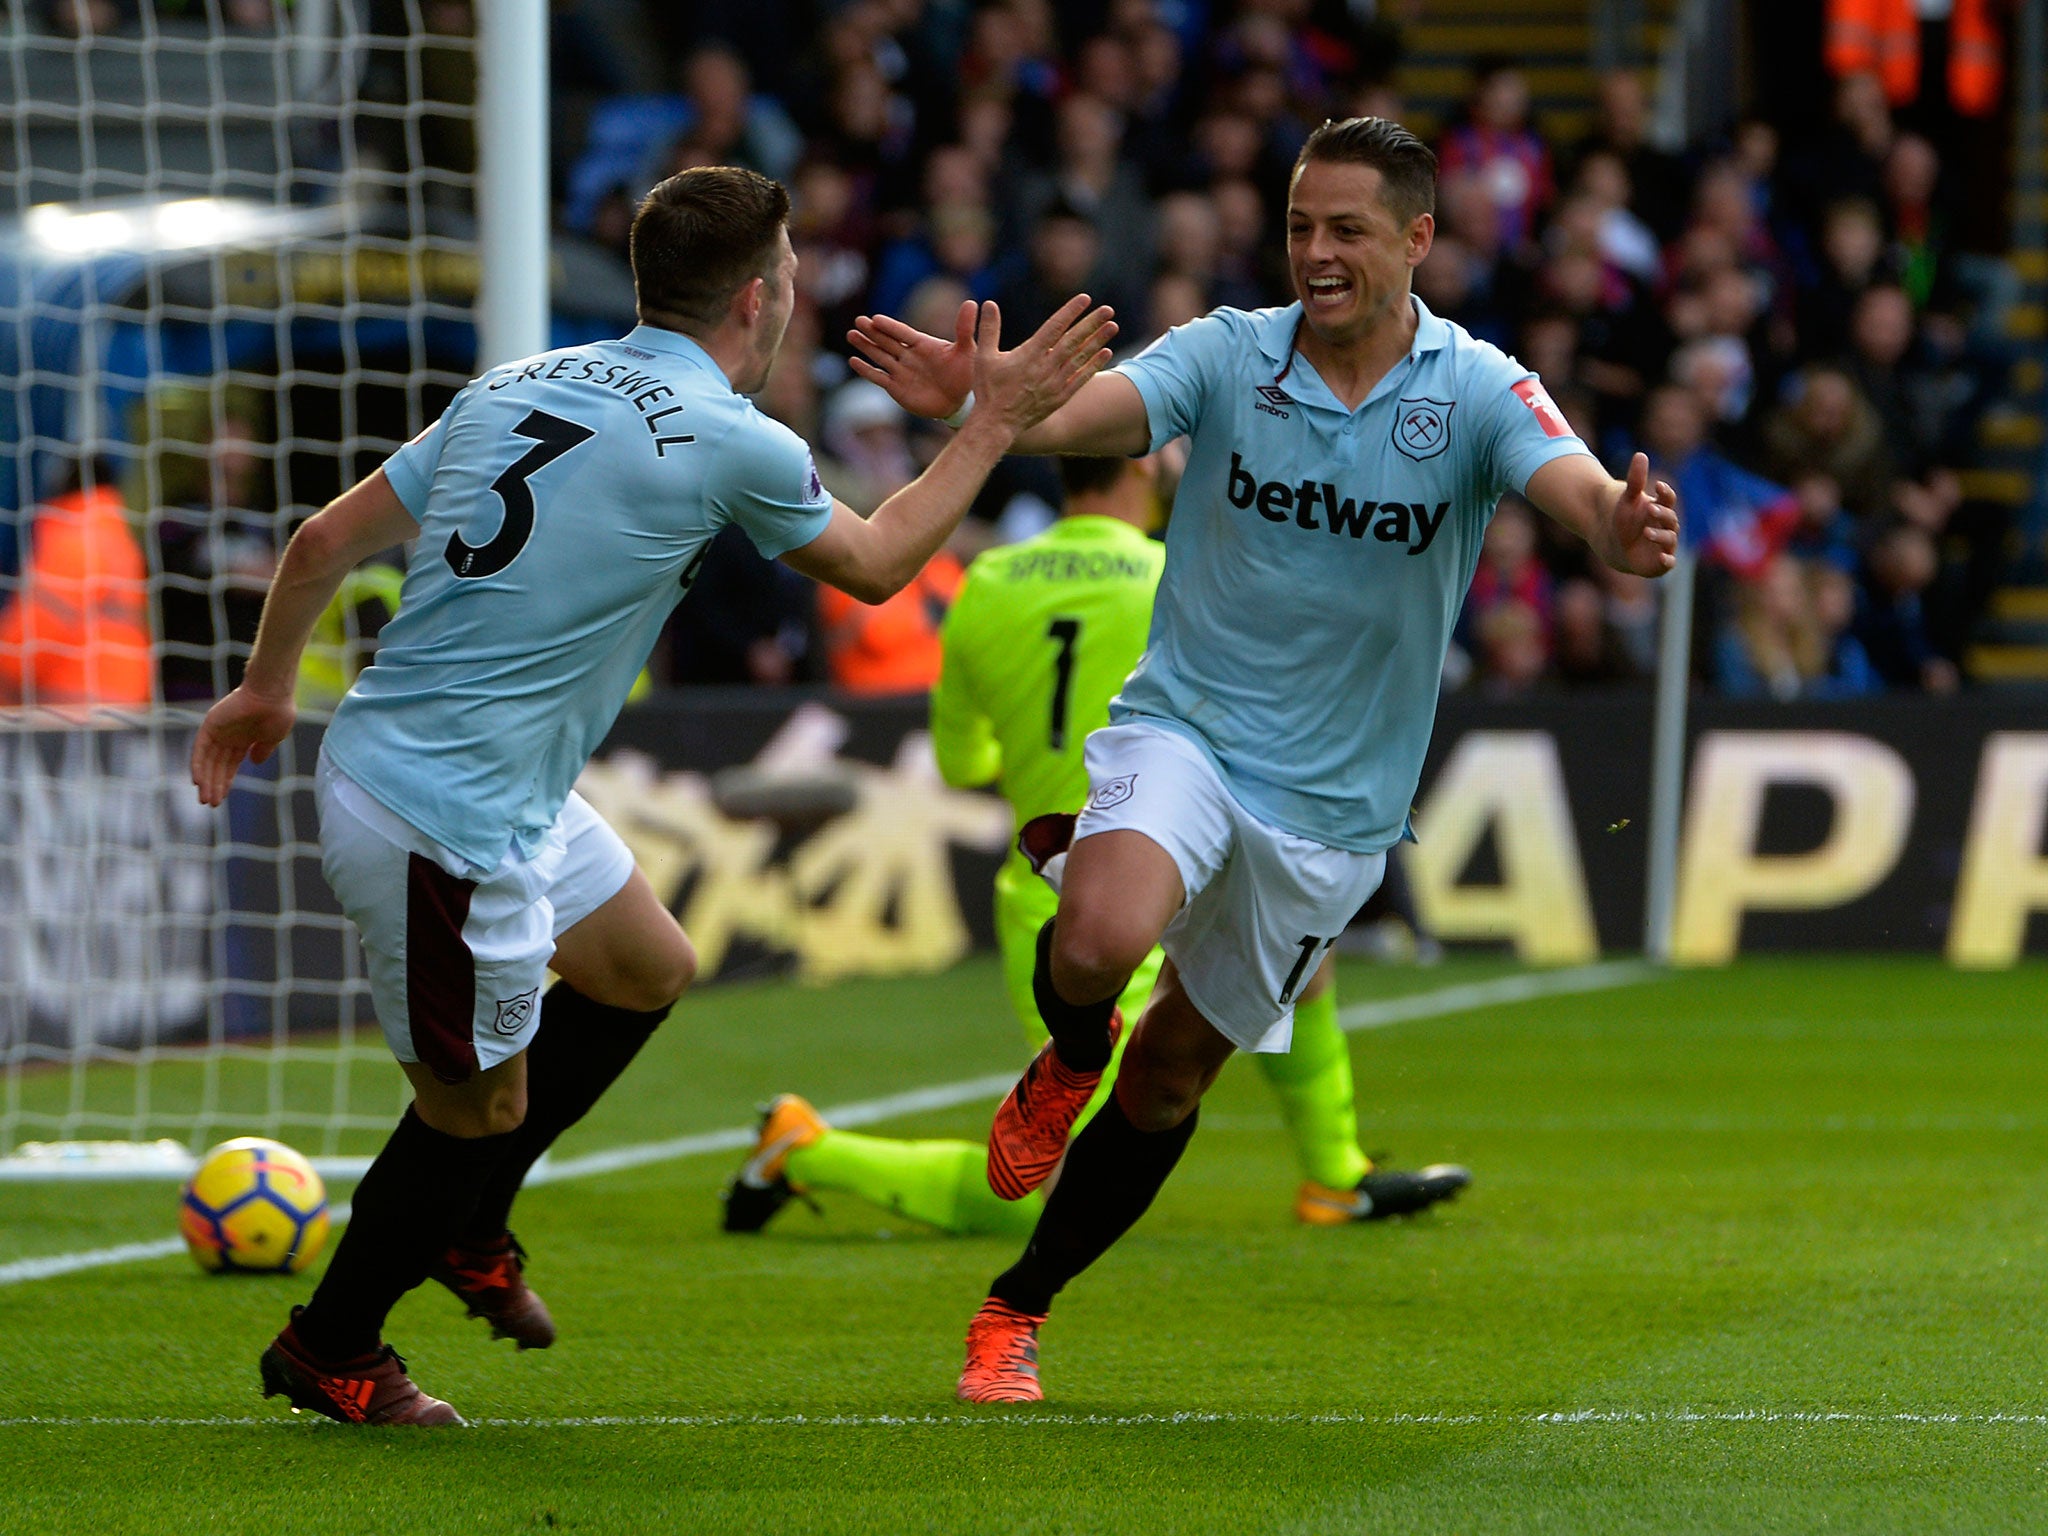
{"x": 1413, "y": 523}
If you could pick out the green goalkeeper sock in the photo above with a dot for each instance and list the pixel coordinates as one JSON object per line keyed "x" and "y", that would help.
{"x": 1313, "y": 1082}
{"x": 941, "y": 1183}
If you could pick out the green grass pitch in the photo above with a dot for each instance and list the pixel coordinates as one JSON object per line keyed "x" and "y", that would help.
{"x": 1754, "y": 1250}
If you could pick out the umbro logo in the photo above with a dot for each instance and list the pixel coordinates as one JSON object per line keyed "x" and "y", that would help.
{"x": 1272, "y": 399}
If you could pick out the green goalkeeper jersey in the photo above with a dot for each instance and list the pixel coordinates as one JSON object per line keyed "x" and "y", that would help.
{"x": 1041, "y": 636}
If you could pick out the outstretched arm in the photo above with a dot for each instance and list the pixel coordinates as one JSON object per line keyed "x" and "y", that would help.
{"x": 931, "y": 377}
{"x": 1631, "y": 526}
{"x": 873, "y": 558}
{"x": 255, "y": 717}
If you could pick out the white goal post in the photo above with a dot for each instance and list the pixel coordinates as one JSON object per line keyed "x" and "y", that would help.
{"x": 239, "y": 264}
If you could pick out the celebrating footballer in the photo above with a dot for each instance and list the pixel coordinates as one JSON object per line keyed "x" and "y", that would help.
{"x": 561, "y": 505}
{"x": 1345, "y": 454}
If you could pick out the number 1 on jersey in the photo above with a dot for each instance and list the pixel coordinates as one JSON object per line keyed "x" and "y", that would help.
{"x": 552, "y": 437}
{"x": 1066, "y": 632}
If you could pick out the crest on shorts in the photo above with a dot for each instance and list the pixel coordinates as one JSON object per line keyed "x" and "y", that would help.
{"x": 514, "y": 1013}
{"x": 1422, "y": 427}
{"x": 1112, "y": 793}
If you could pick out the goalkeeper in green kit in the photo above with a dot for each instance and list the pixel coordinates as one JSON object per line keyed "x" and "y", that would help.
{"x": 1042, "y": 635}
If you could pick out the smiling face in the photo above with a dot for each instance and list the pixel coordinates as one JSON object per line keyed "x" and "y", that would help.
{"x": 1351, "y": 254}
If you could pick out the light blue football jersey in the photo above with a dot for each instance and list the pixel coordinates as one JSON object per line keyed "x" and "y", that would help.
{"x": 565, "y": 502}
{"x": 1318, "y": 556}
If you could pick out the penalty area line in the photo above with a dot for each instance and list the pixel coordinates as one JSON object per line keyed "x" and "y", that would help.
{"x": 1440, "y": 1002}
{"x": 1026, "y": 1418}
{"x": 1466, "y": 997}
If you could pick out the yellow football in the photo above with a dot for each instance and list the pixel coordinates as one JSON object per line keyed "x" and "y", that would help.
{"x": 254, "y": 1205}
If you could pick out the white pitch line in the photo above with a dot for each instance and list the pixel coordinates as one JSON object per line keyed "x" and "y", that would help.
{"x": 1462, "y": 998}
{"x": 1027, "y": 1418}
{"x": 1487, "y": 994}
{"x": 48, "y": 1268}
{"x": 68, "y": 1263}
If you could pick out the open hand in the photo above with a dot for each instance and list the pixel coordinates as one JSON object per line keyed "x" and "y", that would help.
{"x": 931, "y": 377}
{"x": 1645, "y": 523}
{"x": 242, "y": 725}
{"x": 924, "y": 375}
{"x": 1023, "y": 386}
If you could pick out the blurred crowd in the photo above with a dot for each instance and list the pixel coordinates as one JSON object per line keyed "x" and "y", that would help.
{"x": 1786, "y": 324}
{"x": 1784, "y": 327}
{"x": 1786, "y": 331}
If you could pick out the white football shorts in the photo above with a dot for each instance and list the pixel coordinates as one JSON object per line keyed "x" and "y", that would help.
{"x": 456, "y": 962}
{"x": 1262, "y": 905}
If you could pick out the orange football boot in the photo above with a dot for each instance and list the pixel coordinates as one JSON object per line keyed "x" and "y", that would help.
{"x": 1002, "y": 1356}
{"x": 1030, "y": 1133}
{"x": 1383, "y": 1192}
{"x": 762, "y": 1187}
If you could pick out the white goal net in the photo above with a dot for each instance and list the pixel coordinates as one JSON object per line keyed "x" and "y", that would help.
{"x": 237, "y": 266}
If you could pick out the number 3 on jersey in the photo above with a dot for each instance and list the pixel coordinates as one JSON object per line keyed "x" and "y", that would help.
{"x": 552, "y": 437}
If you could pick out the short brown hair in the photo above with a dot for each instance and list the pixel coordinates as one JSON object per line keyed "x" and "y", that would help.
{"x": 1407, "y": 166}
{"x": 1081, "y": 475}
{"x": 701, "y": 236}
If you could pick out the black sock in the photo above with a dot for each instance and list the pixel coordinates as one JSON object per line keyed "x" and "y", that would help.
{"x": 410, "y": 1204}
{"x": 1080, "y": 1031}
{"x": 577, "y": 1052}
{"x": 1112, "y": 1171}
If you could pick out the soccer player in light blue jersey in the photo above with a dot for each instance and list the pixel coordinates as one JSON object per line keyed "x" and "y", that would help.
{"x": 1345, "y": 454}
{"x": 560, "y": 507}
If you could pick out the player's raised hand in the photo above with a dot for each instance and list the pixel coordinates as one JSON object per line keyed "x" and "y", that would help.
{"x": 1645, "y": 523}
{"x": 1028, "y": 383}
{"x": 242, "y": 725}
{"x": 924, "y": 375}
